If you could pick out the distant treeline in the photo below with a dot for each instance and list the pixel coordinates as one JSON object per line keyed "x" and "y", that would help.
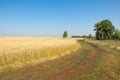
{"x": 104, "y": 30}
{"x": 84, "y": 36}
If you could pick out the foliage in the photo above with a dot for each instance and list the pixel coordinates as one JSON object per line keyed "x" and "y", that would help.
{"x": 84, "y": 36}
{"x": 65, "y": 35}
{"x": 76, "y": 36}
{"x": 117, "y": 34}
{"x": 104, "y": 30}
{"x": 90, "y": 36}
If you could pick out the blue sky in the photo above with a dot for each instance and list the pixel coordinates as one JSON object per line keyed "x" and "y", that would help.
{"x": 52, "y": 17}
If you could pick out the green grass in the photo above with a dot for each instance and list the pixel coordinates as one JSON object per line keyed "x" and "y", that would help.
{"x": 91, "y": 62}
{"x": 105, "y": 67}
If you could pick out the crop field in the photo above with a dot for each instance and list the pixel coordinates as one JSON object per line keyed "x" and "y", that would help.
{"x": 19, "y": 51}
{"x": 48, "y": 59}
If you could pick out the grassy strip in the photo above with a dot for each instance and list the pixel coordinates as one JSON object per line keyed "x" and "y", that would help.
{"x": 105, "y": 67}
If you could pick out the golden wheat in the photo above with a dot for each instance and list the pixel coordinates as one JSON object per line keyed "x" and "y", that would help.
{"x": 22, "y": 50}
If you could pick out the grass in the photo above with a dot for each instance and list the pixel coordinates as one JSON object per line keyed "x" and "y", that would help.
{"x": 113, "y": 44}
{"x": 93, "y": 61}
{"x": 19, "y": 51}
{"x": 106, "y": 66}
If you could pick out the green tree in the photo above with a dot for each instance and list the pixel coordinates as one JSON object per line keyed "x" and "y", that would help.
{"x": 90, "y": 36}
{"x": 104, "y": 30}
{"x": 65, "y": 35}
{"x": 117, "y": 34}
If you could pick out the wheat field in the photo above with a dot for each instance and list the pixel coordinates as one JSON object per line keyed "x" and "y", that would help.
{"x": 19, "y": 51}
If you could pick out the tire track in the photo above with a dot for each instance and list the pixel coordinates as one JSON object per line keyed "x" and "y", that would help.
{"x": 70, "y": 71}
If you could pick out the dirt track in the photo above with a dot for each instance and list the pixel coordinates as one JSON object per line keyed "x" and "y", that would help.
{"x": 70, "y": 71}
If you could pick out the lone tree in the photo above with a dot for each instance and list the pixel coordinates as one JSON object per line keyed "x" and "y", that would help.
{"x": 65, "y": 35}
{"x": 104, "y": 30}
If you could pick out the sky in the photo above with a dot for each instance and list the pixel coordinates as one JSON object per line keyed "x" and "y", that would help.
{"x": 50, "y": 18}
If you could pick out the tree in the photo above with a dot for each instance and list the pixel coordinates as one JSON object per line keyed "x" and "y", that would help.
{"x": 104, "y": 30}
{"x": 90, "y": 36}
{"x": 65, "y": 35}
{"x": 76, "y": 36}
{"x": 84, "y": 36}
{"x": 117, "y": 34}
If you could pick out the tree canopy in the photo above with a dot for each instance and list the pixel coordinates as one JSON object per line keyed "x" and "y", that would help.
{"x": 104, "y": 30}
{"x": 117, "y": 34}
{"x": 65, "y": 35}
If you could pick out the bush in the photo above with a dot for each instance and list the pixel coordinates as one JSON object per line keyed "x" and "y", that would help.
{"x": 117, "y": 34}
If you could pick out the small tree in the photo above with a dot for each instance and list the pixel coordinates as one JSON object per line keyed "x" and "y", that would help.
{"x": 90, "y": 36}
{"x": 65, "y": 35}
